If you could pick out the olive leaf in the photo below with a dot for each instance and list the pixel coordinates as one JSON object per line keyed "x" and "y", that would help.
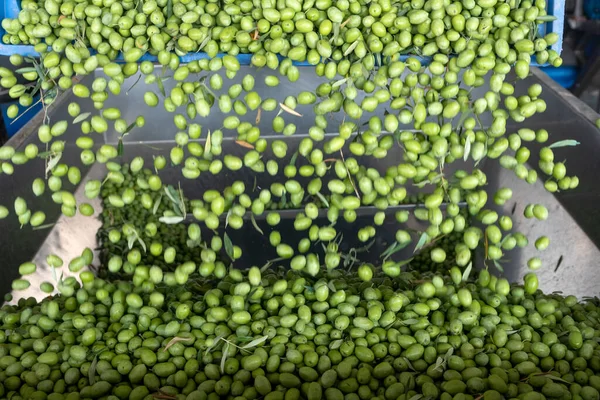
{"x": 416, "y": 397}
{"x": 351, "y": 48}
{"x": 169, "y": 8}
{"x": 120, "y": 148}
{"x": 289, "y": 110}
{"x": 81, "y": 117}
{"x": 498, "y": 266}
{"x": 245, "y": 144}
{"x": 467, "y": 272}
{"x": 214, "y": 344}
{"x": 129, "y": 128}
{"x": 156, "y": 204}
{"x": 394, "y": 248}
{"x": 207, "y": 144}
{"x": 224, "y": 357}
{"x": 323, "y": 199}
{"x": 170, "y": 220}
{"x": 564, "y": 143}
{"x": 176, "y": 339}
{"x": 255, "y": 224}
{"x": 255, "y": 342}
{"x": 161, "y": 87}
{"x": 467, "y": 149}
{"x": 331, "y": 286}
{"x": 422, "y": 241}
{"x": 228, "y": 245}
{"x": 409, "y": 364}
{"x": 339, "y": 82}
{"x": 336, "y": 344}
{"x": 25, "y": 70}
{"x": 92, "y": 370}
{"x": 53, "y": 161}
{"x": 45, "y": 226}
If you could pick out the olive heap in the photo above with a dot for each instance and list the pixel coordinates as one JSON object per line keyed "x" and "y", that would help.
{"x": 284, "y": 335}
{"x": 171, "y": 310}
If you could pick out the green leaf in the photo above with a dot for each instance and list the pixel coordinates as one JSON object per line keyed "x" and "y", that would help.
{"x": 351, "y": 48}
{"x": 228, "y": 245}
{"x": 207, "y": 144}
{"x": 293, "y": 159}
{"x": 422, "y": 241}
{"x": 142, "y": 243}
{"x": 45, "y": 226}
{"x": 255, "y": 342}
{"x": 339, "y": 82}
{"x": 175, "y": 219}
{"x": 467, "y": 272}
{"x": 161, "y": 87}
{"x": 255, "y": 224}
{"x": 92, "y": 370}
{"x": 169, "y": 8}
{"x": 498, "y": 266}
{"x": 336, "y": 344}
{"x": 224, "y": 357}
{"x": 410, "y": 321}
{"x": 53, "y": 161}
{"x": 107, "y": 19}
{"x": 467, "y": 150}
{"x": 81, "y": 117}
{"x": 129, "y": 128}
{"x": 25, "y": 70}
{"x": 156, "y": 204}
{"x": 120, "y": 148}
{"x": 323, "y": 199}
{"x": 214, "y": 344}
{"x": 564, "y": 143}
{"x": 546, "y": 18}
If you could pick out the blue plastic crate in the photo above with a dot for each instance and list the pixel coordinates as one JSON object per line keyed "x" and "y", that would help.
{"x": 10, "y": 9}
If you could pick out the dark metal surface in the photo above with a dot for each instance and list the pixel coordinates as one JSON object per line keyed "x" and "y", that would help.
{"x": 572, "y": 226}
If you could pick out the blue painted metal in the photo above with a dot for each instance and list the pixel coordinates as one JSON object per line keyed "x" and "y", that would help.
{"x": 565, "y": 76}
{"x": 591, "y": 8}
{"x": 10, "y": 9}
{"x": 25, "y": 114}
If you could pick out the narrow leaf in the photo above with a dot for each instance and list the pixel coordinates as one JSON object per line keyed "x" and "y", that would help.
{"x": 176, "y": 339}
{"x": 339, "y": 83}
{"x": 175, "y": 219}
{"x": 120, "y": 148}
{"x": 81, "y": 117}
{"x": 289, "y": 110}
{"x": 467, "y": 272}
{"x": 92, "y": 371}
{"x": 161, "y": 87}
{"x": 53, "y": 162}
{"x": 255, "y": 342}
{"x": 25, "y": 70}
{"x": 467, "y": 150}
{"x": 416, "y": 397}
{"x": 410, "y": 321}
{"x": 331, "y": 286}
{"x": 224, "y": 357}
{"x": 131, "y": 240}
{"x": 351, "y": 48}
{"x": 207, "y": 144}
{"x": 564, "y": 143}
{"x": 245, "y": 144}
{"x": 156, "y": 204}
{"x": 323, "y": 199}
{"x": 294, "y": 158}
{"x": 45, "y": 226}
{"x": 142, "y": 243}
{"x": 129, "y": 128}
{"x": 498, "y": 266}
{"x": 169, "y": 8}
{"x": 228, "y": 245}
{"x": 258, "y": 115}
{"x": 214, "y": 344}
{"x": 422, "y": 241}
{"x": 336, "y": 344}
{"x": 255, "y": 224}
